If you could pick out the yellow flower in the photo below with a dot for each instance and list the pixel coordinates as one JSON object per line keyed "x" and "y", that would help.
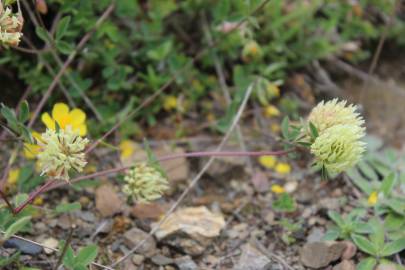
{"x": 170, "y": 103}
{"x": 373, "y": 198}
{"x": 251, "y": 51}
{"x": 275, "y": 128}
{"x": 61, "y": 114}
{"x": 271, "y": 111}
{"x": 38, "y": 201}
{"x": 127, "y": 148}
{"x": 268, "y": 161}
{"x": 13, "y": 176}
{"x": 283, "y": 168}
{"x": 273, "y": 90}
{"x": 32, "y": 150}
{"x": 277, "y": 189}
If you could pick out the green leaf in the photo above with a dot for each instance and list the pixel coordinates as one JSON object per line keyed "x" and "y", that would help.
{"x": 68, "y": 207}
{"x": 285, "y": 126}
{"x": 16, "y": 226}
{"x": 377, "y": 237}
{"x": 86, "y": 255}
{"x": 64, "y": 47}
{"x": 337, "y": 218}
{"x": 10, "y": 116}
{"x": 364, "y": 244}
{"x": 367, "y": 264}
{"x": 314, "y": 130}
{"x": 4, "y": 261}
{"x": 331, "y": 234}
{"x": 388, "y": 183}
{"x": 69, "y": 258}
{"x": 284, "y": 204}
{"x": 26, "y": 134}
{"x": 393, "y": 247}
{"x": 24, "y": 113}
{"x": 42, "y": 34}
{"x": 63, "y": 25}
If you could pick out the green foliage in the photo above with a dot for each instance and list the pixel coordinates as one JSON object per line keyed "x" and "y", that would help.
{"x": 84, "y": 257}
{"x": 15, "y": 123}
{"x": 285, "y": 203}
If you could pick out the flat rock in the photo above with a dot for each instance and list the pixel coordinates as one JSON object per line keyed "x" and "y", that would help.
{"x": 148, "y": 210}
{"x": 134, "y": 236}
{"x": 51, "y": 243}
{"x": 23, "y": 246}
{"x": 191, "y": 229}
{"x": 321, "y": 254}
{"x": 108, "y": 202}
{"x": 185, "y": 263}
{"x": 252, "y": 259}
{"x": 159, "y": 259}
{"x": 260, "y": 182}
{"x": 345, "y": 265}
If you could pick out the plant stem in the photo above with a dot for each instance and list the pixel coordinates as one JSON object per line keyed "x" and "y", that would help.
{"x": 9, "y": 205}
{"x": 33, "y": 195}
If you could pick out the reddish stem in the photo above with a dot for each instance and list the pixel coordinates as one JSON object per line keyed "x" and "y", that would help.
{"x": 33, "y": 195}
{"x": 9, "y": 205}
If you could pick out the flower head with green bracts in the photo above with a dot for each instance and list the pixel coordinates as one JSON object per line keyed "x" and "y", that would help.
{"x": 61, "y": 151}
{"x": 10, "y": 27}
{"x": 334, "y": 112}
{"x": 339, "y": 147}
{"x": 145, "y": 183}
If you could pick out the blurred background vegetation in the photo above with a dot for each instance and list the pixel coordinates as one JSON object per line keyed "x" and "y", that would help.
{"x": 144, "y": 44}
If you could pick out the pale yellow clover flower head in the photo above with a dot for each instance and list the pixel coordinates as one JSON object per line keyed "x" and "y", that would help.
{"x": 145, "y": 183}
{"x": 339, "y": 147}
{"x": 61, "y": 114}
{"x": 61, "y": 152}
{"x": 10, "y": 27}
{"x": 334, "y": 112}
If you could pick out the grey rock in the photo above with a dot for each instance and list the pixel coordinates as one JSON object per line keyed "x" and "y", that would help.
{"x": 134, "y": 236}
{"x": 23, "y": 246}
{"x": 252, "y": 259}
{"x": 159, "y": 259}
{"x": 185, "y": 263}
{"x": 315, "y": 235}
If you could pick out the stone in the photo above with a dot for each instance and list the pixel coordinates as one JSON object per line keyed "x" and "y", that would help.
{"x": 321, "y": 254}
{"x": 252, "y": 259}
{"x": 349, "y": 251}
{"x": 315, "y": 235}
{"x": 191, "y": 229}
{"x": 134, "y": 236}
{"x": 148, "y": 211}
{"x": 50, "y": 244}
{"x": 24, "y": 246}
{"x": 176, "y": 169}
{"x": 345, "y": 265}
{"x": 159, "y": 259}
{"x": 185, "y": 263}
{"x": 138, "y": 259}
{"x": 108, "y": 203}
{"x": 260, "y": 182}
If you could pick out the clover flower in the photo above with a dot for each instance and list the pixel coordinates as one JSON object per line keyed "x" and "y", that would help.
{"x": 10, "y": 27}
{"x": 61, "y": 151}
{"x": 334, "y": 112}
{"x": 338, "y": 148}
{"x": 145, "y": 183}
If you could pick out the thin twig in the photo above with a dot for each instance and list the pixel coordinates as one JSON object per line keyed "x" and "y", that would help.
{"x": 65, "y": 248}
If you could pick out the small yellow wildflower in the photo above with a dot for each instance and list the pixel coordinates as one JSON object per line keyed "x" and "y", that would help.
{"x": 13, "y": 176}
{"x": 273, "y": 90}
{"x": 61, "y": 114}
{"x": 268, "y": 161}
{"x": 271, "y": 111}
{"x": 373, "y": 198}
{"x": 127, "y": 148}
{"x": 277, "y": 189}
{"x": 283, "y": 168}
{"x": 251, "y": 51}
{"x": 38, "y": 201}
{"x": 170, "y": 103}
{"x": 32, "y": 150}
{"x": 275, "y": 128}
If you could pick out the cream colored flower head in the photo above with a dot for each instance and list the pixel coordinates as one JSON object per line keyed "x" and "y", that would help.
{"x": 339, "y": 147}
{"x": 145, "y": 183}
{"x": 10, "y": 27}
{"x": 334, "y": 112}
{"x": 61, "y": 151}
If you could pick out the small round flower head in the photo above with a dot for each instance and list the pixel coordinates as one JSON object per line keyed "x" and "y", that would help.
{"x": 338, "y": 148}
{"x": 145, "y": 183}
{"x": 334, "y": 112}
{"x": 10, "y": 27}
{"x": 61, "y": 151}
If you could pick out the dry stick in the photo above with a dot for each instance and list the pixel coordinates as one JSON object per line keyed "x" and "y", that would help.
{"x": 51, "y": 248}
{"x": 194, "y": 181}
{"x": 169, "y": 82}
{"x": 222, "y": 82}
{"x": 65, "y": 248}
{"x": 69, "y": 60}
